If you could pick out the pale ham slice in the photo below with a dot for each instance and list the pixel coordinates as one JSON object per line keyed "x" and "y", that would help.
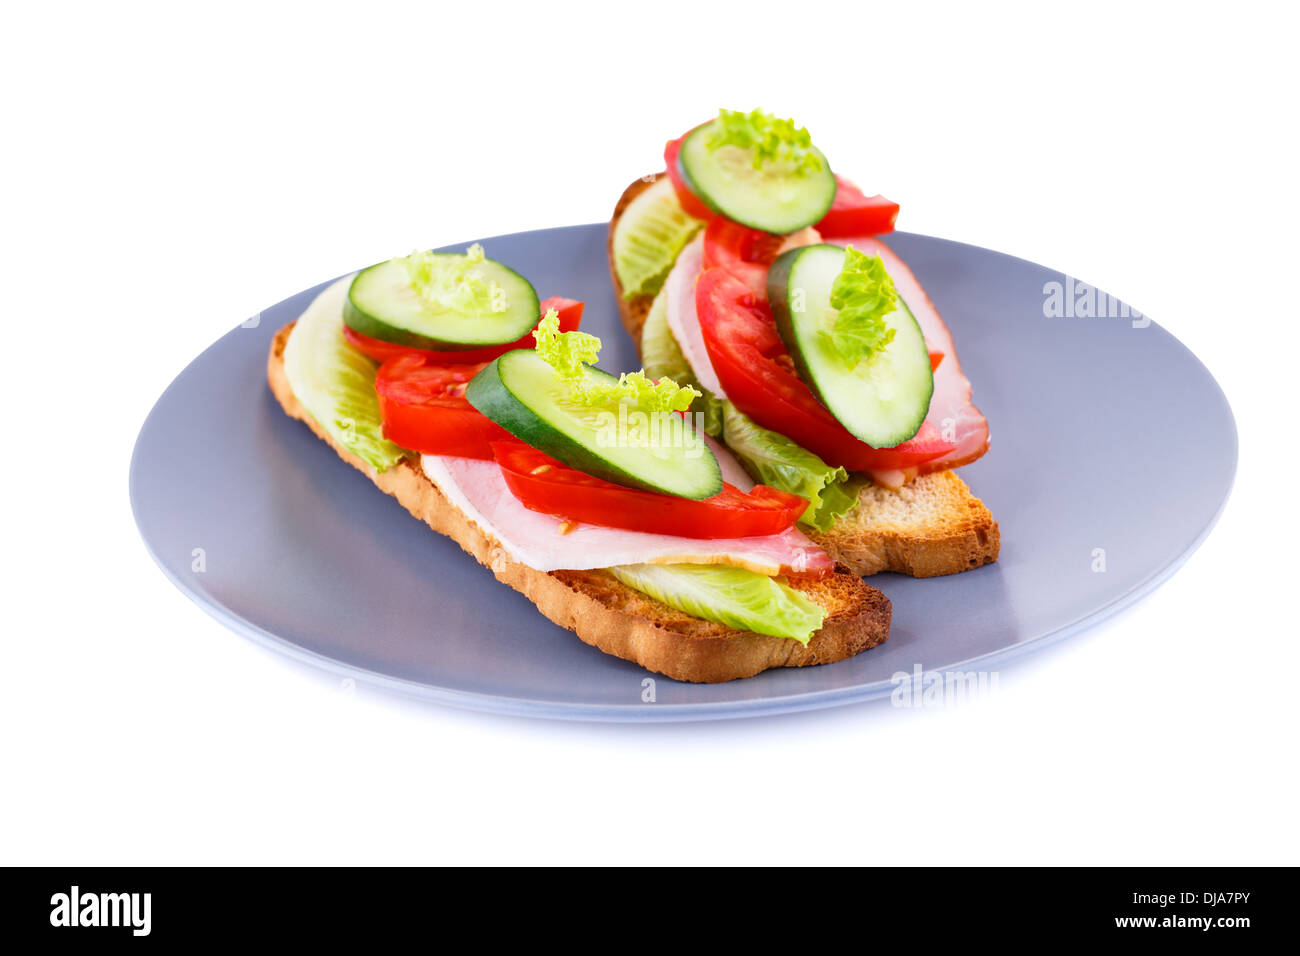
{"x": 951, "y": 411}
{"x": 548, "y": 543}
{"x": 683, "y": 320}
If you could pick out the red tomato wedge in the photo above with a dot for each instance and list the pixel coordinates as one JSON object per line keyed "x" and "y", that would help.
{"x": 570, "y": 316}
{"x": 757, "y": 374}
{"x": 543, "y": 484}
{"x": 690, "y": 204}
{"x": 746, "y": 253}
{"x": 853, "y": 213}
{"x": 424, "y": 408}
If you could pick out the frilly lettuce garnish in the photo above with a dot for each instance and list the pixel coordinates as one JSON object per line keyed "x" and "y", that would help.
{"x": 768, "y": 138}
{"x": 454, "y": 283}
{"x": 861, "y": 296}
{"x": 569, "y": 354}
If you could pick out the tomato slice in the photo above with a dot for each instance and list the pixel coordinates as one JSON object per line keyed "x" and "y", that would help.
{"x": 690, "y": 203}
{"x": 746, "y": 253}
{"x": 758, "y": 375}
{"x": 570, "y": 316}
{"x": 853, "y": 213}
{"x": 543, "y": 484}
{"x": 423, "y": 406}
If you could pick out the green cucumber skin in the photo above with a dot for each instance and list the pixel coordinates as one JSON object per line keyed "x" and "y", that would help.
{"x": 778, "y": 294}
{"x": 366, "y": 324}
{"x": 778, "y": 297}
{"x": 359, "y": 321}
{"x": 489, "y": 393}
{"x": 705, "y": 197}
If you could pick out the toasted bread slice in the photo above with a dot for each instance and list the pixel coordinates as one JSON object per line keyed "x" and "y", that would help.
{"x": 930, "y": 527}
{"x": 607, "y": 614}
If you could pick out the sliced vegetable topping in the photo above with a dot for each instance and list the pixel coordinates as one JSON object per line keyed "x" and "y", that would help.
{"x": 424, "y": 408}
{"x": 768, "y": 140}
{"x": 758, "y": 170}
{"x": 545, "y": 485}
{"x": 952, "y": 414}
{"x": 780, "y": 462}
{"x": 745, "y": 253}
{"x": 690, "y": 203}
{"x": 861, "y": 296}
{"x": 731, "y": 596}
{"x": 757, "y": 374}
{"x": 853, "y": 213}
{"x": 853, "y": 340}
{"x": 571, "y": 353}
{"x": 442, "y": 301}
{"x": 335, "y": 382}
{"x": 625, "y": 430}
{"x": 568, "y": 310}
{"x": 650, "y": 233}
{"x": 454, "y": 283}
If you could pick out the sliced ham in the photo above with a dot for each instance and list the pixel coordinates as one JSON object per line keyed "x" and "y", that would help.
{"x": 548, "y": 543}
{"x": 951, "y": 411}
{"x": 683, "y": 320}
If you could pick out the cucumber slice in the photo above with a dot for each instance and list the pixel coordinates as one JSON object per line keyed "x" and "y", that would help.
{"x": 649, "y": 235}
{"x": 885, "y": 398}
{"x": 384, "y": 304}
{"x": 335, "y": 382}
{"x": 770, "y": 199}
{"x": 522, "y": 394}
{"x": 731, "y": 596}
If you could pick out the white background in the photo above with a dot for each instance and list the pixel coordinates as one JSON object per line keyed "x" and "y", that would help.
{"x": 168, "y": 173}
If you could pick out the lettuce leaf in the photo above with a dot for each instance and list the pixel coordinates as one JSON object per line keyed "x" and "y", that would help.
{"x": 768, "y": 138}
{"x": 861, "y": 296}
{"x": 663, "y": 358}
{"x": 566, "y": 352}
{"x": 453, "y": 282}
{"x": 775, "y": 460}
{"x": 335, "y": 382}
{"x": 569, "y": 353}
{"x": 648, "y": 237}
{"x": 731, "y": 596}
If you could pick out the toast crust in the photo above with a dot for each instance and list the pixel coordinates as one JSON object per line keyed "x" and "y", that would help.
{"x": 607, "y": 614}
{"x": 931, "y": 527}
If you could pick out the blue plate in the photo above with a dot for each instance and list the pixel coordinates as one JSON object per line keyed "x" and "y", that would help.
{"x": 1113, "y": 454}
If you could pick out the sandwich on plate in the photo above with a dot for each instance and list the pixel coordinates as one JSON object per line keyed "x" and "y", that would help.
{"x": 752, "y": 273}
{"x": 602, "y": 498}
